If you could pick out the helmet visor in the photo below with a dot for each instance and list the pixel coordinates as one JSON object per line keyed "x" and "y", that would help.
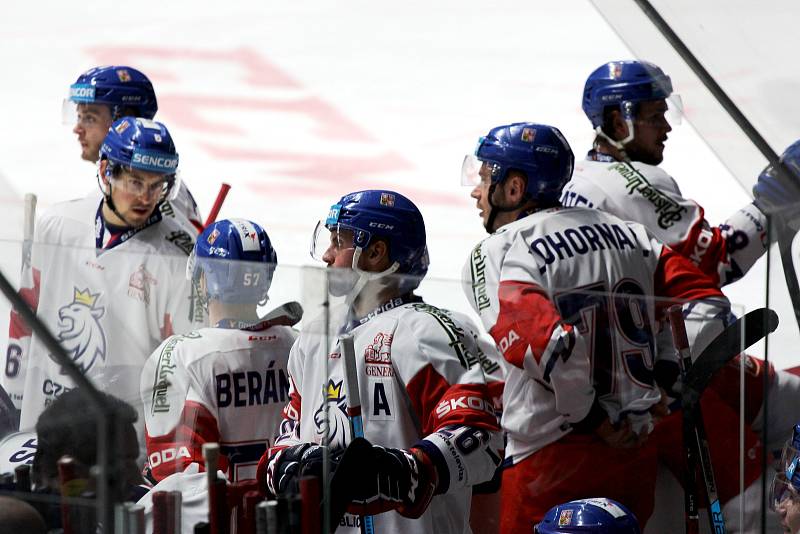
{"x": 674, "y": 109}
{"x": 474, "y": 171}
{"x": 165, "y": 187}
{"x": 790, "y": 458}
{"x": 333, "y": 239}
{"x": 781, "y": 492}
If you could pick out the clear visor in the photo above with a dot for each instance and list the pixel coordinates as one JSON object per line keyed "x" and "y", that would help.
{"x": 471, "y": 170}
{"x": 334, "y": 239}
{"x": 674, "y": 114}
{"x": 69, "y": 112}
{"x": 790, "y": 457}
{"x": 475, "y": 171}
{"x": 781, "y": 492}
{"x": 165, "y": 188}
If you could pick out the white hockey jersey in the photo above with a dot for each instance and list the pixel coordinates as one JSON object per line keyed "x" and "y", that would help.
{"x": 563, "y": 293}
{"x": 420, "y": 369}
{"x": 648, "y": 195}
{"x": 108, "y": 306}
{"x": 186, "y": 208}
{"x": 221, "y": 385}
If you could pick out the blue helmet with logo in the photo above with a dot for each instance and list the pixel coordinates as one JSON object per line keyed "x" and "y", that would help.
{"x": 598, "y": 516}
{"x": 538, "y": 150}
{"x": 623, "y": 84}
{"x": 386, "y": 215}
{"x": 141, "y": 144}
{"x": 237, "y": 260}
{"x": 117, "y": 86}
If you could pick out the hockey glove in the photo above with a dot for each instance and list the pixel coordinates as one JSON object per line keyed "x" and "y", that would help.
{"x": 388, "y": 479}
{"x": 777, "y": 192}
{"x": 281, "y": 473}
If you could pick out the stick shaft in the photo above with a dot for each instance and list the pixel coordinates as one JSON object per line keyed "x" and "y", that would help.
{"x": 212, "y": 215}
{"x": 354, "y": 406}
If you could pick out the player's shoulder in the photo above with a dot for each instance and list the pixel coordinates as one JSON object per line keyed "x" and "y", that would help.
{"x": 424, "y": 319}
{"x": 171, "y": 237}
{"x": 67, "y": 216}
{"x": 180, "y": 346}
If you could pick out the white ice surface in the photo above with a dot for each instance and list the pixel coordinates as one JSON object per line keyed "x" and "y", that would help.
{"x": 296, "y": 103}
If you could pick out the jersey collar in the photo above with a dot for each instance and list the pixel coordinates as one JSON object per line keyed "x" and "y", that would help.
{"x": 594, "y": 155}
{"x": 116, "y": 238}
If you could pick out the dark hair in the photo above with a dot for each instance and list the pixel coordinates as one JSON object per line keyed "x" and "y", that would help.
{"x": 69, "y": 426}
{"x": 608, "y": 121}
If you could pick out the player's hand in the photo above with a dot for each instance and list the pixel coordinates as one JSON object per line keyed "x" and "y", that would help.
{"x": 388, "y": 479}
{"x": 779, "y": 192}
{"x": 620, "y": 436}
{"x": 280, "y": 472}
{"x": 661, "y": 409}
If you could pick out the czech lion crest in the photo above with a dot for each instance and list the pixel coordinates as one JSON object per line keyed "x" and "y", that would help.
{"x": 338, "y": 423}
{"x": 79, "y": 329}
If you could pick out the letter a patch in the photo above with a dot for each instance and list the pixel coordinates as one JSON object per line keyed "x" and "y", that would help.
{"x": 382, "y": 407}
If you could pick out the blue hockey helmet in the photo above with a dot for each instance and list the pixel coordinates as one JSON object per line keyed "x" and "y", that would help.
{"x": 623, "y": 84}
{"x": 538, "y": 150}
{"x": 117, "y": 86}
{"x": 145, "y": 145}
{"x": 237, "y": 259}
{"x": 598, "y": 516}
{"x": 380, "y": 214}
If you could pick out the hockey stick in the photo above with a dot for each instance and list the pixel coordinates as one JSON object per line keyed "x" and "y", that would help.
{"x": 354, "y": 406}
{"x": 696, "y": 376}
{"x": 690, "y": 505}
{"x": 288, "y": 314}
{"x": 212, "y": 215}
{"x": 28, "y": 225}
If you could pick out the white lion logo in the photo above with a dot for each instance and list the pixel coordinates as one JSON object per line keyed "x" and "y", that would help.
{"x": 338, "y": 422}
{"x": 80, "y": 332}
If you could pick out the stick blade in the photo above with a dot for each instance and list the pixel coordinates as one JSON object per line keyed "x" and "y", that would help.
{"x": 745, "y": 332}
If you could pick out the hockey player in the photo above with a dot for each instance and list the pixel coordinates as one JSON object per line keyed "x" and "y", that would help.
{"x": 784, "y": 494}
{"x": 425, "y": 405}
{"x": 102, "y": 95}
{"x": 593, "y": 516}
{"x": 567, "y": 294}
{"x": 626, "y": 102}
{"x": 228, "y": 383}
{"x": 107, "y": 275}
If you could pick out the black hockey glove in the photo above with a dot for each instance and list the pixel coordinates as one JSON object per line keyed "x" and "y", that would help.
{"x": 284, "y": 470}
{"x": 386, "y": 479}
{"x": 779, "y": 192}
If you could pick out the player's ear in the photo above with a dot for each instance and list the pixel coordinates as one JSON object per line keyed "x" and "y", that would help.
{"x": 377, "y": 255}
{"x": 102, "y": 168}
{"x": 515, "y": 187}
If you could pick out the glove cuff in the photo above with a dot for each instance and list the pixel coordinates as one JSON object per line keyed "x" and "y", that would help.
{"x": 427, "y": 482}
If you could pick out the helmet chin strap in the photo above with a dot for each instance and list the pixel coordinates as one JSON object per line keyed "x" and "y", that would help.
{"x": 620, "y": 145}
{"x": 364, "y": 278}
{"x": 108, "y": 200}
{"x": 495, "y": 210}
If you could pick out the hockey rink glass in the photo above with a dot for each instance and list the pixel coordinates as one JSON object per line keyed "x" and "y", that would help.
{"x": 336, "y": 238}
